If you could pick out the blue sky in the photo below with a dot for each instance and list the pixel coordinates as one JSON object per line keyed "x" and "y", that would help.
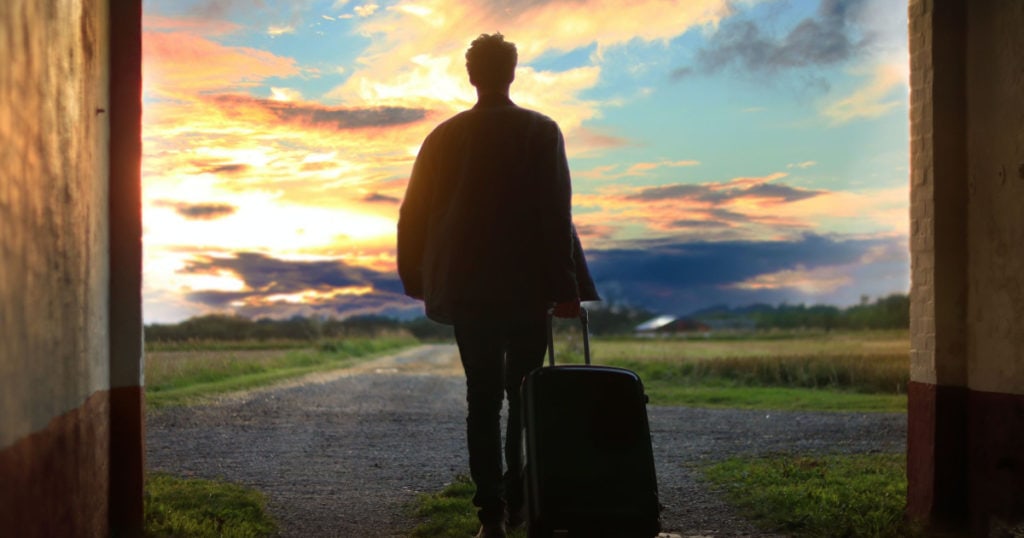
{"x": 722, "y": 151}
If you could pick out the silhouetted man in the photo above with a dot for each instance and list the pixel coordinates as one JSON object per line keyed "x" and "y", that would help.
{"x": 485, "y": 238}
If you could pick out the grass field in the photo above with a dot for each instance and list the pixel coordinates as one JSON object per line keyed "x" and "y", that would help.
{"x": 187, "y": 375}
{"x": 846, "y": 371}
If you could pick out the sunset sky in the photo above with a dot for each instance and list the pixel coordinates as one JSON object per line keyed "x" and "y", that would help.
{"x": 723, "y": 152}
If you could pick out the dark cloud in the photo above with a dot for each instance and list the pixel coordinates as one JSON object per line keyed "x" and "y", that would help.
{"x": 682, "y": 277}
{"x": 779, "y": 192}
{"x": 377, "y": 197}
{"x": 720, "y": 193}
{"x": 691, "y": 223}
{"x": 314, "y": 114}
{"x": 200, "y": 211}
{"x": 266, "y": 276}
{"x": 670, "y": 192}
{"x": 220, "y": 168}
{"x": 666, "y": 277}
{"x": 835, "y": 34}
{"x": 274, "y": 276}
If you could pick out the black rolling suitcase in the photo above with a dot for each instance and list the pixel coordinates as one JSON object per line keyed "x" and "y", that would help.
{"x": 589, "y": 465}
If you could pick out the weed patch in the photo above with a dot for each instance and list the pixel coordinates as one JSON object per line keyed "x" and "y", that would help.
{"x": 198, "y": 508}
{"x": 450, "y": 513}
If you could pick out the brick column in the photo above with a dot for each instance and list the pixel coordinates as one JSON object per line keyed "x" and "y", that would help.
{"x": 937, "y": 411}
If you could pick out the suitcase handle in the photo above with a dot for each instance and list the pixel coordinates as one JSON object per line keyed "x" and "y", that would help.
{"x": 584, "y": 320}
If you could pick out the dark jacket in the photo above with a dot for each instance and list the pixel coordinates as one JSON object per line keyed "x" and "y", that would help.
{"x": 486, "y": 224}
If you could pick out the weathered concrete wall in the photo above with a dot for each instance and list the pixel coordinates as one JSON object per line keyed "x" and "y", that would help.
{"x": 995, "y": 264}
{"x": 54, "y": 274}
{"x": 995, "y": 171}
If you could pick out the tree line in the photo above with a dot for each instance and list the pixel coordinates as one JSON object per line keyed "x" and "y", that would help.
{"x": 891, "y": 312}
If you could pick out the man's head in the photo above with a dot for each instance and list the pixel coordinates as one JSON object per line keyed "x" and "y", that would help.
{"x": 491, "y": 62}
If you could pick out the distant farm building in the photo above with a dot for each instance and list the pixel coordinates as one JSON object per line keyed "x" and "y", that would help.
{"x": 668, "y": 325}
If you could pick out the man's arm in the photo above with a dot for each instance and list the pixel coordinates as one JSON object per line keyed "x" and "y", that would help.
{"x": 412, "y": 224}
{"x": 556, "y": 208}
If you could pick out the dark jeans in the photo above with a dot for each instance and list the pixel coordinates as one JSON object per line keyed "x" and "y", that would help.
{"x": 496, "y": 356}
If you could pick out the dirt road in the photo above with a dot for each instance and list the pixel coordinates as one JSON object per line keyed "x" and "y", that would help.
{"x": 343, "y": 454}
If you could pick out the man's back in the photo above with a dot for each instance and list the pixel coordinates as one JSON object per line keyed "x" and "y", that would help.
{"x": 491, "y": 190}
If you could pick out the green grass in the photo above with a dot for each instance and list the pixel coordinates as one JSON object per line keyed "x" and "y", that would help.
{"x": 183, "y": 377}
{"x": 828, "y": 496}
{"x": 177, "y": 507}
{"x": 450, "y": 513}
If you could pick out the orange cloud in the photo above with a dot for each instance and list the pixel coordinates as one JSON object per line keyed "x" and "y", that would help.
{"x": 877, "y": 97}
{"x": 182, "y": 65}
{"x": 742, "y": 208}
{"x": 608, "y": 172}
{"x": 818, "y": 280}
{"x": 417, "y": 60}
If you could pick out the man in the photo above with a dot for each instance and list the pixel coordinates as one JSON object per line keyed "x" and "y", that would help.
{"x": 485, "y": 238}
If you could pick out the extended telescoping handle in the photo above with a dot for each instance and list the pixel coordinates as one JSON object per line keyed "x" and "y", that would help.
{"x": 585, "y": 321}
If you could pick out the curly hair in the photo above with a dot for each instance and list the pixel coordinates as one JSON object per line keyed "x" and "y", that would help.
{"x": 491, "y": 61}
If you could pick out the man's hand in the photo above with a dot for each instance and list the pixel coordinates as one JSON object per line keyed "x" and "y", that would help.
{"x": 567, "y": 309}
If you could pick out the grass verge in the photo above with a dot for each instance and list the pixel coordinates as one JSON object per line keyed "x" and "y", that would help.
{"x": 177, "y": 507}
{"x": 183, "y": 377}
{"x": 826, "y": 496}
{"x": 450, "y": 513}
{"x": 721, "y": 395}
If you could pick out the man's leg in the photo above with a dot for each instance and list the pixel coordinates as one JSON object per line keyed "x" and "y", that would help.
{"x": 481, "y": 347}
{"x": 527, "y": 342}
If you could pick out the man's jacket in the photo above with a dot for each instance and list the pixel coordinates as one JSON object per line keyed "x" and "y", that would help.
{"x": 486, "y": 224}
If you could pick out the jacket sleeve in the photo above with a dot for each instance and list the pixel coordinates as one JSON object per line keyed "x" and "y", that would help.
{"x": 556, "y": 214}
{"x": 412, "y": 224}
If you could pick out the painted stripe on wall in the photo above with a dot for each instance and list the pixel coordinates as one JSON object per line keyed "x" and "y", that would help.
{"x": 55, "y": 481}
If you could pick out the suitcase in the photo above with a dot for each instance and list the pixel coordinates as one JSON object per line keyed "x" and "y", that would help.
{"x": 589, "y": 464}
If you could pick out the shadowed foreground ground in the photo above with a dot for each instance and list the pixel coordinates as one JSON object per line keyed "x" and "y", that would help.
{"x": 345, "y": 453}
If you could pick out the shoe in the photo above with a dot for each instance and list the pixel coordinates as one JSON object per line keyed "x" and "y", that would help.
{"x": 515, "y": 519}
{"x": 492, "y": 531}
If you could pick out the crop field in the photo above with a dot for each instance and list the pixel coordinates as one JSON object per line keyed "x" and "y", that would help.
{"x": 857, "y": 370}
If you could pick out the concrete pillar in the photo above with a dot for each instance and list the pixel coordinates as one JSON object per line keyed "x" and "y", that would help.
{"x": 965, "y": 446}
{"x": 127, "y": 440}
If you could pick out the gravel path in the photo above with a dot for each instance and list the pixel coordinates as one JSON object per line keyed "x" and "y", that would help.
{"x": 344, "y": 454}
